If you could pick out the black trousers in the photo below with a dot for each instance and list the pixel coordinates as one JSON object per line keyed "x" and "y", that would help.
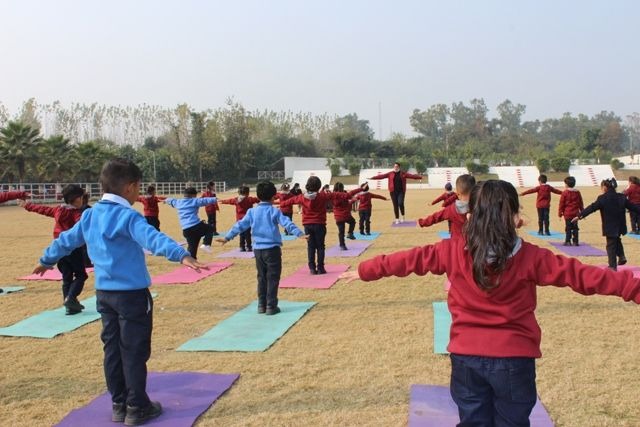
{"x": 571, "y": 231}
{"x": 73, "y": 273}
{"x": 127, "y": 322}
{"x": 290, "y": 216}
{"x": 211, "y": 220}
{"x": 397, "y": 198}
{"x": 543, "y": 219}
{"x": 245, "y": 239}
{"x": 365, "y": 221}
{"x": 635, "y": 220}
{"x": 352, "y": 225}
{"x": 153, "y": 221}
{"x": 194, "y": 234}
{"x": 315, "y": 244}
{"x": 269, "y": 266}
{"x": 615, "y": 251}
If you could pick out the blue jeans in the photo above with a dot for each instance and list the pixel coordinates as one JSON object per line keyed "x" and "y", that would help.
{"x": 493, "y": 391}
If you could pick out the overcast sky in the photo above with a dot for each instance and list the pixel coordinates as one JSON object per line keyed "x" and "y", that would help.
{"x": 333, "y": 56}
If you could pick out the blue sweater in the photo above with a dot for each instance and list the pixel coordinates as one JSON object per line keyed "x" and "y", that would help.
{"x": 263, "y": 220}
{"x": 115, "y": 234}
{"x": 188, "y": 209}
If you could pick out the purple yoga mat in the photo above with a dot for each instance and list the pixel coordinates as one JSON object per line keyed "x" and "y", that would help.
{"x": 354, "y": 248}
{"x": 236, "y": 253}
{"x": 432, "y": 406}
{"x": 405, "y": 224}
{"x": 187, "y": 275}
{"x": 582, "y": 250}
{"x": 53, "y": 274}
{"x": 303, "y": 279}
{"x": 184, "y": 397}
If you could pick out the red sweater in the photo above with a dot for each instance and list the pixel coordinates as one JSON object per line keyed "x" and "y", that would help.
{"x": 450, "y": 213}
{"x": 150, "y": 204}
{"x": 314, "y": 211}
{"x": 364, "y": 200}
{"x": 65, "y": 215}
{"x": 242, "y": 206}
{"x": 342, "y": 210}
{"x": 443, "y": 197}
{"x": 392, "y": 174}
{"x": 12, "y": 195}
{"x": 450, "y": 200}
{"x": 282, "y": 197}
{"x": 502, "y": 322}
{"x": 544, "y": 195}
{"x": 633, "y": 193}
{"x": 211, "y": 208}
{"x": 570, "y": 204}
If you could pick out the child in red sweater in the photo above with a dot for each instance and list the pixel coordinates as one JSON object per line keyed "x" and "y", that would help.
{"x": 243, "y": 203}
{"x": 342, "y": 214}
{"x": 151, "y": 209}
{"x": 494, "y": 336}
{"x": 633, "y": 194}
{"x": 543, "y": 203}
{"x": 448, "y": 192}
{"x": 570, "y": 207}
{"x": 283, "y": 195}
{"x": 211, "y": 209}
{"x": 365, "y": 207}
{"x": 455, "y": 213}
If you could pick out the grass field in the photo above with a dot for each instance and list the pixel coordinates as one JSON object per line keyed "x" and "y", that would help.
{"x": 349, "y": 361}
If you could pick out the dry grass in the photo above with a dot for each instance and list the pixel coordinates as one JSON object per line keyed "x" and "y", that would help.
{"x": 349, "y": 361}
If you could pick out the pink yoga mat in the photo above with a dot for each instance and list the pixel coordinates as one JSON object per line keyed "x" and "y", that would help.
{"x": 53, "y": 274}
{"x": 186, "y": 275}
{"x": 236, "y": 253}
{"x": 303, "y": 279}
{"x": 354, "y": 248}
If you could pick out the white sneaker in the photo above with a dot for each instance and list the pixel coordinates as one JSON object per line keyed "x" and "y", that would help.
{"x": 206, "y": 248}
{"x": 396, "y": 221}
{"x": 401, "y": 219}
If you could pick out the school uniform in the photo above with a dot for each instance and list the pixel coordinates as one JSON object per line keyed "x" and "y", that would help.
{"x": 243, "y": 204}
{"x": 633, "y": 194}
{"x": 543, "y": 204}
{"x": 193, "y": 229}
{"x": 364, "y": 210}
{"x": 5, "y": 196}
{"x": 342, "y": 215}
{"x": 286, "y": 210}
{"x": 570, "y": 207}
{"x": 211, "y": 211}
{"x": 455, "y": 214}
{"x": 397, "y": 184}
{"x": 441, "y": 198}
{"x": 151, "y": 209}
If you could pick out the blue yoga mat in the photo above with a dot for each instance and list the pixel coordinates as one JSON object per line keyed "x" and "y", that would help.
{"x": 247, "y": 330}
{"x": 441, "y": 327}
{"x": 633, "y": 236}
{"x": 286, "y": 237}
{"x": 554, "y": 235}
{"x": 50, "y": 323}
{"x": 374, "y": 235}
{"x": 10, "y": 289}
{"x": 444, "y": 234}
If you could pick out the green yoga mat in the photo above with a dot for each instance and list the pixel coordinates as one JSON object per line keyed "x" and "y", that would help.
{"x": 441, "y": 327}
{"x": 247, "y": 330}
{"x": 10, "y": 289}
{"x": 50, "y": 323}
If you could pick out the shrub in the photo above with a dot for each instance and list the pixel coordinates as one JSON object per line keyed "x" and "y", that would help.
{"x": 543, "y": 165}
{"x": 560, "y": 164}
{"x": 616, "y": 164}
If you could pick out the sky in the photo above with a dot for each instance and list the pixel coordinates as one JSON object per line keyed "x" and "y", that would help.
{"x": 328, "y": 56}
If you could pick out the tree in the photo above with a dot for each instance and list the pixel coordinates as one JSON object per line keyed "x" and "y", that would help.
{"x": 352, "y": 136}
{"x": 55, "y": 162}
{"x": 542, "y": 164}
{"x": 18, "y": 147}
{"x": 510, "y": 116}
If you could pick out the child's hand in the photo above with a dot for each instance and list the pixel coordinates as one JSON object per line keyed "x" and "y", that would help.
{"x": 305, "y": 237}
{"x": 193, "y": 264}
{"x": 41, "y": 269}
{"x": 22, "y": 203}
{"x": 574, "y": 220}
{"x": 221, "y": 240}
{"x": 350, "y": 276}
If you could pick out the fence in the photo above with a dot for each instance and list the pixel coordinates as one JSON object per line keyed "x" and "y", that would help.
{"x": 274, "y": 175}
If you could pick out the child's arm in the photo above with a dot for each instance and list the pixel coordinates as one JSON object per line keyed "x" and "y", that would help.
{"x": 377, "y": 196}
{"x": 412, "y": 176}
{"x": 555, "y": 190}
{"x": 432, "y": 219}
{"x": 291, "y": 201}
{"x": 203, "y": 201}
{"x": 440, "y": 198}
{"x": 530, "y": 191}
{"x": 13, "y": 195}
{"x": 171, "y": 201}
{"x": 289, "y": 225}
{"x": 588, "y": 210}
{"x": 66, "y": 242}
{"x": 153, "y": 240}
{"x": 232, "y": 201}
{"x": 450, "y": 200}
{"x": 161, "y": 198}
{"x": 563, "y": 201}
{"x": 240, "y": 226}
{"x": 39, "y": 209}
{"x": 381, "y": 176}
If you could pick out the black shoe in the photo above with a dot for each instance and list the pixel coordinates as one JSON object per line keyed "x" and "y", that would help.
{"x": 261, "y": 309}
{"x": 321, "y": 270}
{"x": 243, "y": 250}
{"x": 367, "y": 233}
{"x": 576, "y": 244}
{"x": 343, "y": 248}
{"x": 118, "y": 412}
{"x": 622, "y": 261}
{"x": 78, "y": 302}
{"x": 249, "y": 249}
{"x": 137, "y": 416}
{"x": 546, "y": 233}
{"x": 73, "y": 306}
{"x": 350, "y": 236}
{"x": 540, "y": 233}
{"x": 271, "y": 311}
{"x": 566, "y": 244}
{"x": 313, "y": 271}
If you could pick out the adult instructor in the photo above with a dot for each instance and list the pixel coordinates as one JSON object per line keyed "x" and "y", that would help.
{"x": 397, "y": 188}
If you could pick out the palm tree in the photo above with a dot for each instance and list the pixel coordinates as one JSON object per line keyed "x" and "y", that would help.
{"x": 19, "y": 146}
{"x": 55, "y": 162}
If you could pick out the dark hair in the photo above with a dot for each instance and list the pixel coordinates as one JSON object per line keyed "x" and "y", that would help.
{"x": 265, "y": 190}
{"x": 313, "y": 184}
{"x": 448, "y": 186}
{"x": 190, "y": 191}
{"x": 72, "y": 192}
{"x": 338, "y": 187}
{"x": 326, "y": 187}
{"x": 117, "y": 173}
{"x": 570, "y": 181}
{"x": 610, "y": 183}
{"x": 542, "y": 178}
{"x": 365, "y": 186}
{"x": 211, "y": 185}
{"x": 490, "y": 232}
{"x": 284, "y": 187}
{"x": 243, "y": 190}
{"x": 634, "y": 180}
{"x": 151, "y": 189}
{"x": 465, "y": 183}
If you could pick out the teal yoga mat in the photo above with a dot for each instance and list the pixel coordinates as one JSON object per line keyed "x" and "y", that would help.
{"x": 247, "y": 330}
{"x": 441, "y": 327}
{"x": 10, "y": 289}
{"x": 50, "y": 323}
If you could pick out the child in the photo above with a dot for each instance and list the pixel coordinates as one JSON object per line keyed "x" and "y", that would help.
{"x": 151, "y": 210}
{"x": 570, "y": 207}
{"x": 611, "y": 205}
{"x": 296, "y": 191}
{"x": 283, "y": 195}
{"x": 633, "y": 194}
{"x": 71, "y": 266}
{"x": 5, "y": 196}
{"x": 327, "y": 189}
{"x": 212, "y": 208}
{"x": 243, "y": 203}
{"x": 314, "y": 219}
{"x": 263, "y": 221}
{"x": 448, "y": 192}
{"x": 543, "y": 203}
{"x": 192, "y": 227}
{"x": 115, "y": 234}
{"x": 342, "y": 214}
{"x": 364, "y": 208}
{"x": 455, "y": 213}
{"x": 494, "y": 336}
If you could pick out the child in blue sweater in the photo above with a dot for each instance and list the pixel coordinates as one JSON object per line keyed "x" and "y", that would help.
{"x": 193, "y": 228}
{"x": 115, "y": 234}
{"x": 263, "y": 220}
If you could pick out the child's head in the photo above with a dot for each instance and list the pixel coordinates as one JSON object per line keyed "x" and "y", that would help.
{"x": 464, "y": 185}
{"x": 151, "y": 190}
{"x": 190, "y": 192}
{"x": 296, "y": 186}
{"x": 326, "y": 187}
{"x": 396, "y": 167}
{"x": 338, "y": 187}
{"x": 284, "y": 187}
{"x": 634, "y": 180}
{"x": 121, "y": 177}
{"x": 211, "y": 185}
{"x": 490, "y": 231}
{"x": 313, "y": 184}
{"x": 243, "y": 190}
{"x": 364, "y": 186}
{"x": 608, "y": 184}
{"x": 72, "y": 195}
{"x": 448, "y": 186}
{"x": 265, "y": 191}
{"x": 570, "y": 182}
{"x": 542, "y": 179}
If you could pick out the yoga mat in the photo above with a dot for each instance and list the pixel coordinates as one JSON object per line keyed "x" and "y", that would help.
{"x": 184, "y": 397}
{"x": 11, "y": 289}
{"x": 354, "y": 249}
{"x": 444, "y": 234}
{"x": 633, "y": 236}
{"x": 634, "y": 269}
{"x": 247, "y": 330}
{"x": 236, "y": 253}
{"x": 186, "y": 275}
{"x": 303, "y": 279}
{"x": 53, "y": 274}
{"x": 374, "y": 235}
{"x": 50, "y": 323}
{"x": 441, "y": 327}
{"x": 289, "y": 237}
{"x": 554, "y": 235}
{"x": 432, "y": 406}
{"x": 405, "y": 224}
{"x": 582, "y": 250}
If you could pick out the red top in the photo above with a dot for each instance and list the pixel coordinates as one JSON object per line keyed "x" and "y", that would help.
{"x": 150, "y": 204}
{"x": 282, "y": 197}
{"x": 364, "y": 200}
{"x": 242, "y": 206}
{"x": 570, "y": 204}
{"x": 441, "y": 198}
{"x": 65, "y": 215}
{"x": 314, "y": 211}
{"x": 342, "y": 210}
{"x": 502, "y": 322}
{"x": 633, "y": 193}
{"x": 211, "y": 208}
{"x": 450, "y": 213}
{"x": 450, "y": 200}
{"x": 544, "y": 194}
{"x": 12, "y": 195}
{"x": 403, "y": 176}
